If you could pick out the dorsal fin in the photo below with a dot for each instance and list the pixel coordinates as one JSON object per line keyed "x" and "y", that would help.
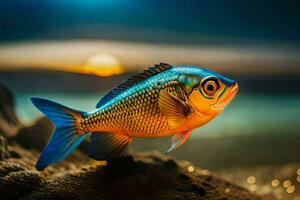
{"x": 151, "y": 71}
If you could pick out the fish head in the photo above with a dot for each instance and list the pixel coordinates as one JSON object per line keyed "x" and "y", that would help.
{"x": 208, "y": 92}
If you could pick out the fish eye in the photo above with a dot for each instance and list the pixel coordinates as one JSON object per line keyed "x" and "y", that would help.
{"x": 209, "y": 87}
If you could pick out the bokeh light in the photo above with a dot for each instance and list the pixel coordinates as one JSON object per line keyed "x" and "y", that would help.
{"x": 286, "y": 183}
{"x": 275, "y": 183}
{"x": 291, "y": 189}
{"x": 191, "y": 168}
{"x": 251, "y": 179}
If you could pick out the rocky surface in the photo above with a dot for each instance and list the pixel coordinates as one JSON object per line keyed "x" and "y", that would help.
{"x": 148, "y": 175}
{"x": 9, "y": 123}
{"x": 31, "y": 137}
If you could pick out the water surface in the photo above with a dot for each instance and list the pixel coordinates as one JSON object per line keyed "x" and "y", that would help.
{"x": 254, "y": 114}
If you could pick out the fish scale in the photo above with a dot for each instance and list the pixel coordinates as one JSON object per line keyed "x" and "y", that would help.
{"x": 128, "y": 115}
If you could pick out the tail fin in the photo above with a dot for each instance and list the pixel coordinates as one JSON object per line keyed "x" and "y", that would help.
{"x": 65, "y": 137}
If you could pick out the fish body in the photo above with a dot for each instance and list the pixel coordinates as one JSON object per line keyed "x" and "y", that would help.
{"x": 136, "y": 111}
{"x": 161, "y": 101}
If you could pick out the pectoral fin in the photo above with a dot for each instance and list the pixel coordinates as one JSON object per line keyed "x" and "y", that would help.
{"x": 175, "y": 110}
{"x": 177, "y": 140}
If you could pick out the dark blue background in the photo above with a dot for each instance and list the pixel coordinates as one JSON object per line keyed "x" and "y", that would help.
{"x": 269, "y": 20}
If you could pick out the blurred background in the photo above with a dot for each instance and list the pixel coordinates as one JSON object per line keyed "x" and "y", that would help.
{"x": 75, "y": 51}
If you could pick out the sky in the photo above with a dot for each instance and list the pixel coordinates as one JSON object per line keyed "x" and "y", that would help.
{"x": 112, "y": 36}
{"x": 106, "y": 58}
{"x": 162, "y": 21}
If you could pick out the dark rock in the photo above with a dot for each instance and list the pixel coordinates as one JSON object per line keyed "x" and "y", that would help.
{"x": 9, "y": 166}
{"x": 9, "y": 123}
{"x": 3, "y": 149}
{"x": 35, "y": 136}
{"x": 139, "y": 177}
{"x": 17, "y": 184}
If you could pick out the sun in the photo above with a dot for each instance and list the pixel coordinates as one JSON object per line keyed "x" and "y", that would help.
{"x": 102, "y": 65}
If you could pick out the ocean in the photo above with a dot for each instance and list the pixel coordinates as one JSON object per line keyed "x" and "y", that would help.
{"x": 248, "y": 114}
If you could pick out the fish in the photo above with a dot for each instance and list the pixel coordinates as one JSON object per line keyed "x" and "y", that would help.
{"x": 161, "y": 101}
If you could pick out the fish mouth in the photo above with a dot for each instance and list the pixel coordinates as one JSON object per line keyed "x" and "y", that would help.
{"x": 228, "y": 96}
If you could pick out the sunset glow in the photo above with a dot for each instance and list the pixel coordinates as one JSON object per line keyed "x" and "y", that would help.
{"x": 105, "y": 58}
{"x": 102, "y": 65}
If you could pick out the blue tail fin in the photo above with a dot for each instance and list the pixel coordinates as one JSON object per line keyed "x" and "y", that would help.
{"x": 65, "y": 136}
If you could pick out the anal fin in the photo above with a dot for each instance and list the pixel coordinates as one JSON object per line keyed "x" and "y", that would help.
{"x": 177, "y": 140}
{"x": 105, "y": 146}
